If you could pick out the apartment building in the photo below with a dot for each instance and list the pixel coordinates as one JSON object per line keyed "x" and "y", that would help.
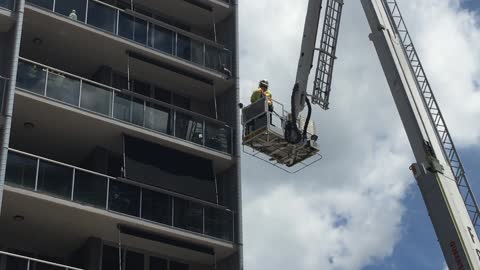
{"x": 119, "y": 138}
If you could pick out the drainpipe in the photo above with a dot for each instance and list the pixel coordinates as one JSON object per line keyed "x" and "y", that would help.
{"x": 10, "y": 95}
{"x": 237, "y": 152}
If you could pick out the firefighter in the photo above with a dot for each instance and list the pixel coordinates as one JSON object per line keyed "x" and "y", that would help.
{"x": 263, "y": 92}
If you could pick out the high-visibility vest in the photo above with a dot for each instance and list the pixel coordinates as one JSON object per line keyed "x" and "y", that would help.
{"x": 259, "y": 94}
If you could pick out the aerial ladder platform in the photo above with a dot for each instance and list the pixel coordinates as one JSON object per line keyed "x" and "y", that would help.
{"x": 439, "y": 172}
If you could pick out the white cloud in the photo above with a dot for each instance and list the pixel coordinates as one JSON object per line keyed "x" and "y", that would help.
{"x": 345, "y": 212}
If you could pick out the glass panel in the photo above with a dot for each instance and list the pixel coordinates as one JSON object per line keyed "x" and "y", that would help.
{"x": 125, "y": 25}
{"x": 197, "y": 52}
{"x": 212, "y": 58}
{"x": 74, "y": 9}
{"x": 217, "y": 137}
{"x": 161, "y": 39}
{"x": 157, "y": 118}
{"x": 90, "y": 189}
{"x": 188, "y": 215}
{"x": 102, "y": 16}
{"x": 156, "y": 207}
{"x": 43, "y": 3}
{"x": 55, "y": 179}
{"x": 187, "y": 128}
{"x": 140, "y": 31}
{"x": 3, "y": 86}
{"x": 219, "y": 223}
{"x": 21, "y": 170}
{"x": 96, "y": 98}
{"x": 178, "y": 266}
{"x": 184, "y": 48}
{"x": 63, "y": 88}
{"x": 31, "y": 77}
{"x": 128, "y": 108}
{"x": 158, "y": 263}
{"x": 124, "y": 198}
{"x": 133, "y": 261}
{"x": 14, "y": 263}
{"x": 110, "y": 258}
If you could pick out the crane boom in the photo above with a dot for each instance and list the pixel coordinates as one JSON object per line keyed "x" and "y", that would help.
{"x": 432, "y": 170}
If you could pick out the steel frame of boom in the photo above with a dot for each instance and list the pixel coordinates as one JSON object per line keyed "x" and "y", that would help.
{"x": 434, "y": 169}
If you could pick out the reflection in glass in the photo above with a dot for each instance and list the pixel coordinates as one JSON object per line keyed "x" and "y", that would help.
{"x": 63, "y": 88}
{"x": 74, "y": 9}
{"x": 156, "y": 207}
{"x": 187, "y": 128}
{"x": 157, "y": 118}
{"x": 21, "y": 170}
{"x": 101, "y": 16}
{"x": 31, "y": 77}
{"x": 96, "y": 99}
{"x": 124, "y": 198}
{"x": 184, "y": 48}
{"x": 188, "y": 215}
{"x": 55, "y": 179}
{"x": 90, "y": 189}
{"x": 218, "y": 223}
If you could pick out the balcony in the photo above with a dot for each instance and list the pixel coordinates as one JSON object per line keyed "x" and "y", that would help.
{"x": 18, "y": 262}
{"x": 143, "y": 202}
{"x": 124, "y": 106}
{"x": 143, "y": 31}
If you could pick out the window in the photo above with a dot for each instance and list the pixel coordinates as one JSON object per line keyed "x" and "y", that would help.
{"x": 178, "y": 266}
{"x": 110, "y": 258}
{"x": 90, "y": 189}
{"x": 158, "y": 263}
{"x": 68, "y": 7}
{"x": 133, "y": 260}
{"x": 101, "y": 16}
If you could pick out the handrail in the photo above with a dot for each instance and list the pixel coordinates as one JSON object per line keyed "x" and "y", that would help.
{"x": 124, "y": 180}
{"x": 149, "y": 99}
{"x": 205, "y": 42}
{"x": 39, "y": 261}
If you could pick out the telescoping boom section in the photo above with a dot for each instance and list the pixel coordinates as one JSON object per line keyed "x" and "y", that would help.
{"x": 432, "y": 170}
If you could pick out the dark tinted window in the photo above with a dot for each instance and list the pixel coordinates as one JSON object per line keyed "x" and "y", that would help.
{"x": 178, "y": 266}
{"x": 156, "y": 207}
{"x": 90, "y": 189}
{"x": 110, "y": 258}
{"x": 133, "y": 261}
{"x": 158, "y": 263}
{"x": 188, "y": 215}
{"x": 55, "y": 179}
{"x": 21, "y": 170}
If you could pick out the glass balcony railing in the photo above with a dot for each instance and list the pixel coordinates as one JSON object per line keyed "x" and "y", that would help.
{"x": 7, "y": 4}
{"x": 89, "y": 188}
{"x": 18, "y": 262}
{"x": 124, "y": 106}
{"x": 144, "y": 31}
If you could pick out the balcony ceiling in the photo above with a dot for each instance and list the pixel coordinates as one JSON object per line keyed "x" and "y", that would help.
{"x": 81, "y": 50}
{"x": 57, "y": 228}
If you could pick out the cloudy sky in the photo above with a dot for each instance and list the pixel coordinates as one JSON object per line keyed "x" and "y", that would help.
{"x": 358, "y": 208}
